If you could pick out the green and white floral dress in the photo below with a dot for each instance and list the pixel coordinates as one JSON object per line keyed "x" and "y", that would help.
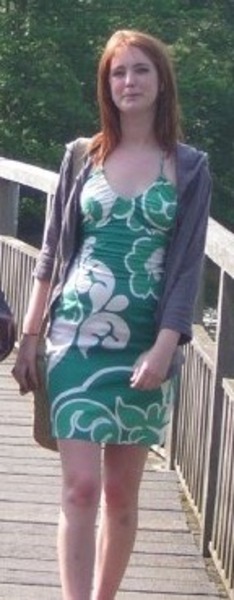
{"x": 105, "y": 317}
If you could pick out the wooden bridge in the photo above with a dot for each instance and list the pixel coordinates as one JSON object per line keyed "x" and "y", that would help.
{"x": 185, "y": 544}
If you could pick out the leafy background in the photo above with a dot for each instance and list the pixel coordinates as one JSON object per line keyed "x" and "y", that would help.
{"x": 48, "y": 58}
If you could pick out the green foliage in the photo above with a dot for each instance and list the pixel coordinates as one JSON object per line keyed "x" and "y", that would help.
{"x": 31, "y": 217}
{"x": 48, "y": 58}
{"x": 41, "y": 98}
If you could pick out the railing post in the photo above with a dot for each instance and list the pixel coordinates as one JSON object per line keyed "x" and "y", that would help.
{"x": 172, "y": 433}
{"x": 200, "y": 300}
{"x": 223, "y": 367}
{"x": 9, "y": 205}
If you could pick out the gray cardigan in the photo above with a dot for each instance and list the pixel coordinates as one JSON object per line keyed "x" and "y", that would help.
{"x": 186, "y": 250}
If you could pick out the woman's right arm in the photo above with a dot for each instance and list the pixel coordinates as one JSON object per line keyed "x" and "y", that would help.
{"x": 25, "y": 367}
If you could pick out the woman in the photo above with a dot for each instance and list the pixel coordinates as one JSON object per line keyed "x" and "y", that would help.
{"x": 132, "y": 234}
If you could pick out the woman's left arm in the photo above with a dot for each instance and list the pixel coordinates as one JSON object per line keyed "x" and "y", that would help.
{"x": 185, "y": 260}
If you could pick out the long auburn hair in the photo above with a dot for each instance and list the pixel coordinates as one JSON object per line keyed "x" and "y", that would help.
{"x": 167, "y": 115}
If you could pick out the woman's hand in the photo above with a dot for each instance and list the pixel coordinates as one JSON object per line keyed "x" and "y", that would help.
{"x": 24, "y": 370}
{"x": 149, "y": 371}
{"x": 151, "y": 368}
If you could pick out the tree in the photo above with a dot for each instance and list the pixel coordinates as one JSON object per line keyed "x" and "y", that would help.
{"x": 49, "y": 52}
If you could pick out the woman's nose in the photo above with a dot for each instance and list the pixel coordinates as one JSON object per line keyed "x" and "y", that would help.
{"x": 129, "y": 77}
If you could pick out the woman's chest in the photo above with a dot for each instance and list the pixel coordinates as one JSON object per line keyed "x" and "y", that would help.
{"x": 152, "y": 211}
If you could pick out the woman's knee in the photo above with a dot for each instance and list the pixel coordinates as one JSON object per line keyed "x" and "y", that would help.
{"x": 81, "y": 491}
{"x": 118, "y": 497}
{"x": 80, "y": 474}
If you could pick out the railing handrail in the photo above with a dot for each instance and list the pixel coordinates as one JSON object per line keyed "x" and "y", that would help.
{"x": 29, "y": 175}
{"x": 220, "y": 246}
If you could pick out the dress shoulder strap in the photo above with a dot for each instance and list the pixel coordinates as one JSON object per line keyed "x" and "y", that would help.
{"x": 161, "y": 164}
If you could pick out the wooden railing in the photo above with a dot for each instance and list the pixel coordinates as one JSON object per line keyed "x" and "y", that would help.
{"x": 202, "y": 449}
{"x": 202, "y": 432}
{"x": 12, "y": 175}
{"x": 17, "y": 262}
{"x": 192, "y": 417}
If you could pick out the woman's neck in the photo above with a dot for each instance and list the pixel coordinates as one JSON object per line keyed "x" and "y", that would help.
{"x": 137, "y": 131}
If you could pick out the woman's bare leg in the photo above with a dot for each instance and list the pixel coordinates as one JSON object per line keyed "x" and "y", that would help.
{"x": 76, "y": 534}
{"x": 123, "y": 467}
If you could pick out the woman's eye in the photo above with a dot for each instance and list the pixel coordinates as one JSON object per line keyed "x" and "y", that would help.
{"x": 118, "y": 74}
{"x": 142, "y": 70}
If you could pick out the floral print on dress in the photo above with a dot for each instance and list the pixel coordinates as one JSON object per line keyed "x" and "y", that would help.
{"x": 129, "y": 423}
{"x": 146, "y": 268}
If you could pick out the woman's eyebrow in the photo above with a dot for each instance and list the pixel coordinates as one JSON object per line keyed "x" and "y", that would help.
{"x": 141, "y": 64}
{"x": 123, "y": 65}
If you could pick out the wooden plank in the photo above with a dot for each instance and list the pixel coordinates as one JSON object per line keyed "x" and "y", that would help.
{"x": 126, "y": 595}
{"x": 168, "y": 580}
{"x": 167, "y": 587}
{"x": 26, "y": 496}
{"x": 47, "y": 564}
{"x": 32, "y": 593}
{"x": 29, "y": 592}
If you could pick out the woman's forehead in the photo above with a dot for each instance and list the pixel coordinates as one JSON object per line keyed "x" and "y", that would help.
{"x": 126, "y": 54}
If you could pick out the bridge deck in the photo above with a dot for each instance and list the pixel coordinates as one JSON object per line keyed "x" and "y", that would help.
{"x": 165, "y": 564}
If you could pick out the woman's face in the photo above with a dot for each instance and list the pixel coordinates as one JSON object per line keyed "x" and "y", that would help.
{"x": 133, "y": 81}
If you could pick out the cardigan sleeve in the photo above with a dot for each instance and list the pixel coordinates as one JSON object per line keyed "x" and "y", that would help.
{"x": 53, "y": 224}
{"x": 185, "y": 261}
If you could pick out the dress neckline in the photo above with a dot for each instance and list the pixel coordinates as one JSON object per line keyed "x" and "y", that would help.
{"x": 161, "y": 178}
